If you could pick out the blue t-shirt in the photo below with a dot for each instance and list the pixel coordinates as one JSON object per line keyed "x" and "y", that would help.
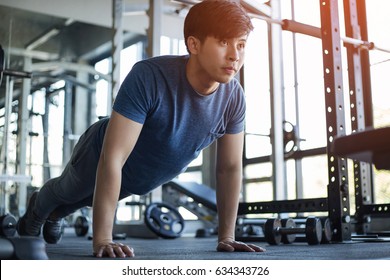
{"x": 177, "y": 121}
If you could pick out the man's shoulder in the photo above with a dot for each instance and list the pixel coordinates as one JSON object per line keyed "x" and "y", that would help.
{"x": 165, "y": 60}
{"x": 161, "y": 67}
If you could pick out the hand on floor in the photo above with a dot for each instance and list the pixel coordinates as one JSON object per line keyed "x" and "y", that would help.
{"x": 230, "y": 245}
{"x": 113, "y": 250}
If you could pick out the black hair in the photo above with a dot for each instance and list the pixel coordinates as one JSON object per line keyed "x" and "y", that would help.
{"x": 222, "y": 19}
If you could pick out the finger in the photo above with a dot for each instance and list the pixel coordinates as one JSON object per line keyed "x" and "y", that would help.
{"x": 257, "y": 248}
{"x": 114, "y": 250}
{"x": 118, "y": 252}
{"x": 109, "y": 251}
{"x": 128, "y": 251}
{"x": 239, "y": 246}
{"x": 123, "y": 251}
{"x": 99, "y": 253}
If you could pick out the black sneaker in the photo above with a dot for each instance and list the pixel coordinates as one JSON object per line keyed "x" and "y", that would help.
{"x": 52, "y": 230}
{"x": 30, "y": 224}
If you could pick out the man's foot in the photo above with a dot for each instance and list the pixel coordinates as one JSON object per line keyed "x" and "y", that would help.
{"x": 30, "y": 224}
{"x": 52, "y": 230}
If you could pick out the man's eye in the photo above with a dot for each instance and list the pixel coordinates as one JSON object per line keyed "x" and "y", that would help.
{"x": 224, "y": 42}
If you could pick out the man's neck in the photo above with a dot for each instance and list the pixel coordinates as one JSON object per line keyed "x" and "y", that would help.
{"x": 198, "y": 79}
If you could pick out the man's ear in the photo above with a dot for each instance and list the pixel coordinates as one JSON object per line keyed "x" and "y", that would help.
{"x": 193, "y": 44}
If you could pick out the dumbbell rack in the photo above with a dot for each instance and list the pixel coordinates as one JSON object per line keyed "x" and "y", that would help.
{"x": 297, "y": 206}
{"x": 261, "y": 230}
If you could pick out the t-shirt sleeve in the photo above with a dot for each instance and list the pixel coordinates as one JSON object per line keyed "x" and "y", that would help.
{"x": 236, "y": 112}
{"x": 134, "y": 97}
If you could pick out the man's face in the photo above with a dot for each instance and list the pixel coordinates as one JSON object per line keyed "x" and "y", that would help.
{"x": 221, "y": 59}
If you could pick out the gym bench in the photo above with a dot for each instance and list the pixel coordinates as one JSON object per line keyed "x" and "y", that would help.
{"x": 370, "y": 146}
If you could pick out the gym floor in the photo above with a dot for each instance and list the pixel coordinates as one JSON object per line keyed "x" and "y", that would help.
{"x": 190, "y": 248}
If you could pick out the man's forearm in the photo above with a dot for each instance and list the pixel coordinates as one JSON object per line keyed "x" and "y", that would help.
{"x": 106, "y": 195}
{"x": 228, "y": 194}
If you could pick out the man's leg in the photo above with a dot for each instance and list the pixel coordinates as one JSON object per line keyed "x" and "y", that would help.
{"x": 72, "y": 189}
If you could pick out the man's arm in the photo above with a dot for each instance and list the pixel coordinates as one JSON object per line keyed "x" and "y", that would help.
{"x": 229, "y": 179}
{"x": 119, "y": 141}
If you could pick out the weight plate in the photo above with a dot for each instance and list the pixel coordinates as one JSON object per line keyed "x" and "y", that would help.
{"x": 288, "y": 238}
{"x": 326, "y": 231}
{"x": 272, "y": 236}
{"x": 164, "y": 220}
{"x": 313, "y": 231}
{"x": 8, "y": 225}
{"x": 81, "y": 226}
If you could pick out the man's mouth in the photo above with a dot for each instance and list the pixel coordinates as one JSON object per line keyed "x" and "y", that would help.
{"x": 230, "y": 69}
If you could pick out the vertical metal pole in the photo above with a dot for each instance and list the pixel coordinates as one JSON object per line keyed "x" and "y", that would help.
{"x": 92, "y": 106}
{"x": 338, "y": 196}
{"x": 9, "y": 84}
{"x": 45, "y": 127}
{"x": 22, "y": 135}
{"x": 67, "y": 124}
{"x": 362, "y": 170}
{"x": 298, "y": 162}
{"x": 277, "y": 104}
{"x": 9, "y": 87}
{"x": 30, "y": 142}
{"x": 154, "y": 30}
{"x": 365, "y": 61}
{"x": 80, "y": 111}
{"x": 117, "y": 46}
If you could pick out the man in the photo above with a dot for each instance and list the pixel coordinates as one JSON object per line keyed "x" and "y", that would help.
{"x": 167, "y": 110}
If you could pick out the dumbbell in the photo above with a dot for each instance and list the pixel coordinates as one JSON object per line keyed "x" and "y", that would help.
{"x": 81, "y": 225}
{"x": 326, "y": 230}
{"x": 246, "y": 230}
{"x": 274, "y": 231}
{"x": 288, "y": 223}
{"x": 7, "y": 225}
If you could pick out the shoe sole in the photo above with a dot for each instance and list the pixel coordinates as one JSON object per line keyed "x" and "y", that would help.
{"x": 49, "y": 238}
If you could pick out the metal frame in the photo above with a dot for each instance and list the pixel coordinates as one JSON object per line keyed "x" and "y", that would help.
{"x": 362, "y": 171}
{"x": 338, "y": 195}
{"x": 361, "y": 113}
{"x": 277, "y": 104}
{"x": 284, "y": 206}
{"x": 117, "y": 46}
{"x": 5, "y": 177}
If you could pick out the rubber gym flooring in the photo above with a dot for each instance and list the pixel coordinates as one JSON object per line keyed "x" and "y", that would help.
{"x": 73, "y": 247}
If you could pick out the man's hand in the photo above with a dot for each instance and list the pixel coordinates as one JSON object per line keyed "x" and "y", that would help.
{"x": 112, "y": 250}
{"x": 230, "y": 245}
